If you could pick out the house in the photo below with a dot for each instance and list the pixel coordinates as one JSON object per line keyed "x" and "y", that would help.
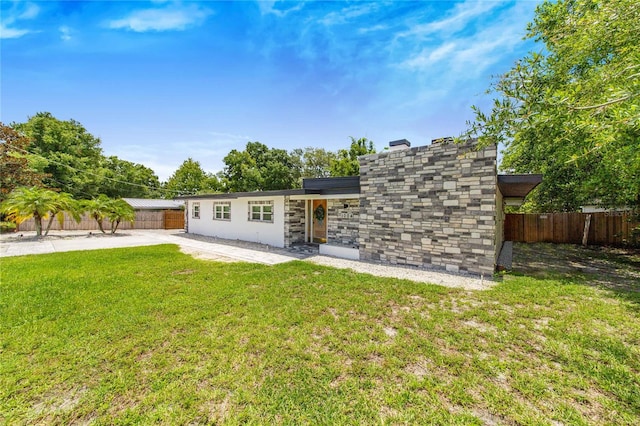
{"x": 439, "y": 205}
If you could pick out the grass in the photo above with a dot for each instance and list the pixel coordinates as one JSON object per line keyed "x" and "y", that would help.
{"x": 148, "y": 334}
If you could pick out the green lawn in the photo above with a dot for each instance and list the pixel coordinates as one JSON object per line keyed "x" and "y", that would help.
{"x": 149, "y": 334}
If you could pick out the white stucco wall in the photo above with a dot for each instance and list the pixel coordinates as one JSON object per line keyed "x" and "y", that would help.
{"x": 239, "y": 227}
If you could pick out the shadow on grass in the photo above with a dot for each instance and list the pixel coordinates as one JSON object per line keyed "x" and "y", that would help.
{"x": 610, "y": 268}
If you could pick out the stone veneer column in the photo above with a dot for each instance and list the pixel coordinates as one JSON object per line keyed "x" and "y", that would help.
{"x": 294, "y": 221}
{"x": 430, "y": 206}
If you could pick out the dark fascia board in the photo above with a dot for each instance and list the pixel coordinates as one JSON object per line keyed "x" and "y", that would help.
{"x": 346, "y": 184}
{"x": 254, "y": 194}
{"x": 518, "y": 186}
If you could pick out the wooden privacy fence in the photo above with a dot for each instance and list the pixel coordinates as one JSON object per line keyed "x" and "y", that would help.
{"x": 145, "y": 219}
{"x": 608, "y": 228}
{"x": 173, "y": 219}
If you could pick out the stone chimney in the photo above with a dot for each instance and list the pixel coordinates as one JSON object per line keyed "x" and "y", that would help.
{"x": 399, "y": 145}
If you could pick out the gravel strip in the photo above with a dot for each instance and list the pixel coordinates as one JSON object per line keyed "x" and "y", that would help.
{"x": 418, "y": 275}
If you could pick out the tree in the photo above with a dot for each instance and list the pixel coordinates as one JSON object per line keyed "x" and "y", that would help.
{"x": 191, "y": 179}
{"x": 98, "y": 208}
{"x": 15, "y": 170}
{"x": 62, "y": 203}
{"x": 121, "y": 178}
{"x": 314, "y": 162}
{"x": 573, "y": 111}
{"x": 37, "y": 203}
{"x": 241, "y": 173}
{"x": 347, "y": 163}
{"x": 70, "y": 155}
{"x": 260, "y": 168}
{"x": 72, "y": 159}
{"x": 118, "y": 211}
{"x": 103, "y": 207}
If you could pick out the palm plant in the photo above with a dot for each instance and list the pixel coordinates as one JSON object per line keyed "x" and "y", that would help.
{"x": 120, "y": 211}
{"x": 62, "y": 203}
{"x": 115, "y": 211}
{"x": 38, "y": 203}
{"x": 98, "y": 208}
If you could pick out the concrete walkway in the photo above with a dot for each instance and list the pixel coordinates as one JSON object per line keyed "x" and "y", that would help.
{"x": 58, "y": 241}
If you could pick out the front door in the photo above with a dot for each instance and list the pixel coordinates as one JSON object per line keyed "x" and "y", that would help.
{"x": 319, "y": 216}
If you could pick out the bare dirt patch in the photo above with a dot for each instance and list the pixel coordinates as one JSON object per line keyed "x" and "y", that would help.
{"x": 59, "y": 400}
{"x": 609, "y": 267}
{"x": 199, "y": 254}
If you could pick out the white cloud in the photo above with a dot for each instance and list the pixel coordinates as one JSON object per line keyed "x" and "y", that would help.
{"x": 173, "y": 18}
{"x": 227, "y": 137}
{"x": 269, "y": 8}
{"x": 19, "y": 12}
{"x": 482, "y": 53}
{"x": 348, "y": 13}
{"x": 208, "y": 148}
{"x": 458, "y": 19}
{"x": 31, "y": 11}
{"x": 472, "y": 54}
{"x": 65, "y": 33}
{"x": 375, "y": 28}
{"x": 6, "y": 32}
{"x": 428, "y": 56}
{"x": 442, "y": 52}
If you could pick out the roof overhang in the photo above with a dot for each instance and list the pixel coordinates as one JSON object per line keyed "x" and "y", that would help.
{"x": 317, "y": 186}
{"x": 333, "y": 185}
{"x": 514, "y": 188}
{"x": 234, "y": 195}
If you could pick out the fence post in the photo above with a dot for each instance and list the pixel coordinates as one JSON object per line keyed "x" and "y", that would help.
{"x": 585, "y": 234}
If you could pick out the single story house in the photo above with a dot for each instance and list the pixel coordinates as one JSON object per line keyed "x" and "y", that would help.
{"x": 439, "y": 205}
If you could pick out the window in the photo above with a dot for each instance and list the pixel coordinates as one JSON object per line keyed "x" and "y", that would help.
{"x": 222, "y": 211}
{"x": 261, "y": 211}
{"x": 195, "y": 211}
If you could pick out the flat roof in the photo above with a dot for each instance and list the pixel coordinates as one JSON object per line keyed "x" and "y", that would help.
{"x": 312, "y": 186}
{"x": 518, "y": 186}
{"x": 253, "y": 194}
{"x": 511, "y": 186}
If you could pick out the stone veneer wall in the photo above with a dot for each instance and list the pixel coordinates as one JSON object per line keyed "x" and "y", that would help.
{"x": 499, "y": 223}
{"x": 430, "y": 206}
{"x": 294, "y": 221}
{"x": 343, "y": 222}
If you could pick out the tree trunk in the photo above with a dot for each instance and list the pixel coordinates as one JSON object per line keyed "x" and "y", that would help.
{"x": 46, "y": 232}
{"x": 115, "y": 228}
{"x": 38, "y": 222}
{"x": 99, "y": 224}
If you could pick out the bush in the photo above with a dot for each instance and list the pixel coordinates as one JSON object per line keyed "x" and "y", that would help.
{"x": 7, "y": 227}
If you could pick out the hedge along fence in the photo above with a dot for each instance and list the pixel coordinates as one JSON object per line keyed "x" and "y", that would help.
{"x": 606, "y": 228}
{"x": 145, "y": 219}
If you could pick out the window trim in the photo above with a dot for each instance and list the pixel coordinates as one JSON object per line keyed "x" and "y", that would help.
{"x": 261, "y": 205}
{"x": 195, "y": 210}
{"x": 222, "y": 205}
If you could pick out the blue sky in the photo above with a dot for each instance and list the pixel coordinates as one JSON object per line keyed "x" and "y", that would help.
{"x": 161, "y": 81}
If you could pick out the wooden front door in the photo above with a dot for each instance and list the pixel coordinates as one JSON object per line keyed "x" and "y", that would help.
{"x": 319, "y": 217}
